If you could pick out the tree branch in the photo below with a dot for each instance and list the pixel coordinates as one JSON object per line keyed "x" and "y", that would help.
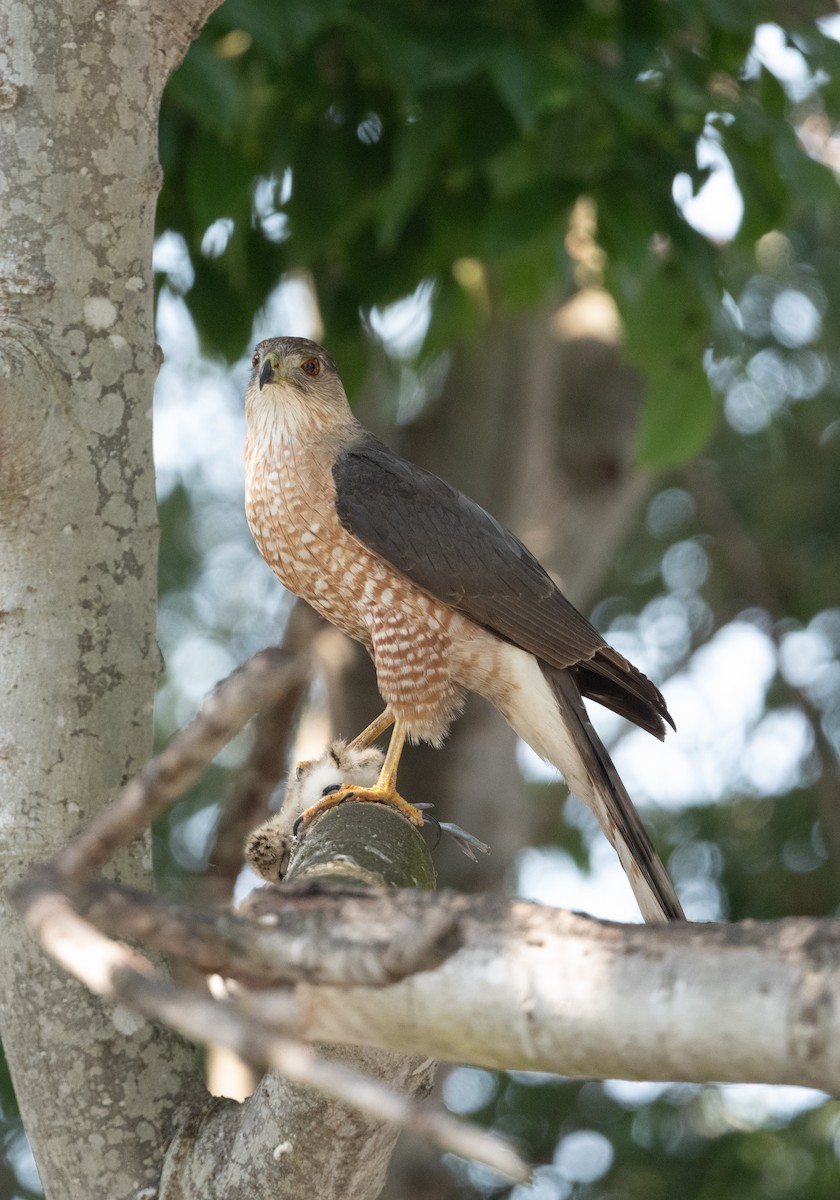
{"x": 285, "y": 934}
{"x": 531, "y": 988}
{"x": 540, "y": 989}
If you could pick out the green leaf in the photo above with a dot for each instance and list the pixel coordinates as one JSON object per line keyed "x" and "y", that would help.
{"x": 215, "y": 187}
{"x": 667, "y": 331}
{"x": 679, "y": 417}
{"x": 417, "y": 151}
{"x": 527, "y": 215}
{"x": 208, "y": 88}
{"x": 529, "y": 85}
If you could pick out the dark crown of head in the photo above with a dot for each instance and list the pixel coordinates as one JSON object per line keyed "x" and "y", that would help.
{"x": 290, "y": 347}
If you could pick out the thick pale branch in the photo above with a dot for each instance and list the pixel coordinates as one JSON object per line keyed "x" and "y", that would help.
{"x": 482, "y": 980}
{"x": 541, "y": 989}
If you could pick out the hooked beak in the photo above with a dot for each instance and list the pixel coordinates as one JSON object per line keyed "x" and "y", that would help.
{"x": 267, "y": 370}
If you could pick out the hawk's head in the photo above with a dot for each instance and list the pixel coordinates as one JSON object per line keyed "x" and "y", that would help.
{"x": 297, "y": 362}
{"x": 294, "y": 381}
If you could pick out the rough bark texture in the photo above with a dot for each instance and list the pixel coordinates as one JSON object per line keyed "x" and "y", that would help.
{"x": 80, "y": 86}
{"x": 226, "y": 1155}
{"x": 534, "y": 988}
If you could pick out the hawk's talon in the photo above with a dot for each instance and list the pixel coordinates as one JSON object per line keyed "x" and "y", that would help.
{"x": 430, "y": 820}
{"x": 328, "y": 791}
{"x": 374, "y": 795}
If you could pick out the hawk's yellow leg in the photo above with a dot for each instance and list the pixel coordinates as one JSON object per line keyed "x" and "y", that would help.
{"x": 361, "y": 742}
{"x": 376, "y": 728}
{"x": 384, "y": 790}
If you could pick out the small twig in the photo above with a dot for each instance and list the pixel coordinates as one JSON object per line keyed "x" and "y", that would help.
{"x": 266, "y": 765}
{"x": 260, "y": 682}
{"x": 121, "y": 974}
{"x": 248, "y": 803}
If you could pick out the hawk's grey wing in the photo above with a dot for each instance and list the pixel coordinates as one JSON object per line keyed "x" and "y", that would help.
{"x": 449, "y": 546}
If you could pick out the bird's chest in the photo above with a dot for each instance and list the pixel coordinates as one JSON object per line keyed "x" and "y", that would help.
{"x": 290, "y": 505}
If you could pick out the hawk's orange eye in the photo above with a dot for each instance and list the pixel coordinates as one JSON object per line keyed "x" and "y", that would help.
{"x": 255, "y": 359}
{"x": 311, "y": 366}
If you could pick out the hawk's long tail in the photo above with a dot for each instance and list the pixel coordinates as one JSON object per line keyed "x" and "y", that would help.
{"x": 548, "y": 712}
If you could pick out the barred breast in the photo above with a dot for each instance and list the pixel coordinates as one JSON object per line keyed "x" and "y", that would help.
{"x": 290, "y": 506}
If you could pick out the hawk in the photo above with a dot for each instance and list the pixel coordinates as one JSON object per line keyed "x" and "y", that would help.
{"x": 444, "y": 598}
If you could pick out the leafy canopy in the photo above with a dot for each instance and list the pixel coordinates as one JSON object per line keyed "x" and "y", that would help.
{"x": 375, "y": 145}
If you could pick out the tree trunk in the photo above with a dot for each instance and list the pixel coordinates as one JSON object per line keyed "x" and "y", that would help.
{"x": 79, "y": 178}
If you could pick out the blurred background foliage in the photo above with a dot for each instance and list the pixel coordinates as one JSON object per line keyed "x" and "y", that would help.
{"x": 441, "y": 192}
